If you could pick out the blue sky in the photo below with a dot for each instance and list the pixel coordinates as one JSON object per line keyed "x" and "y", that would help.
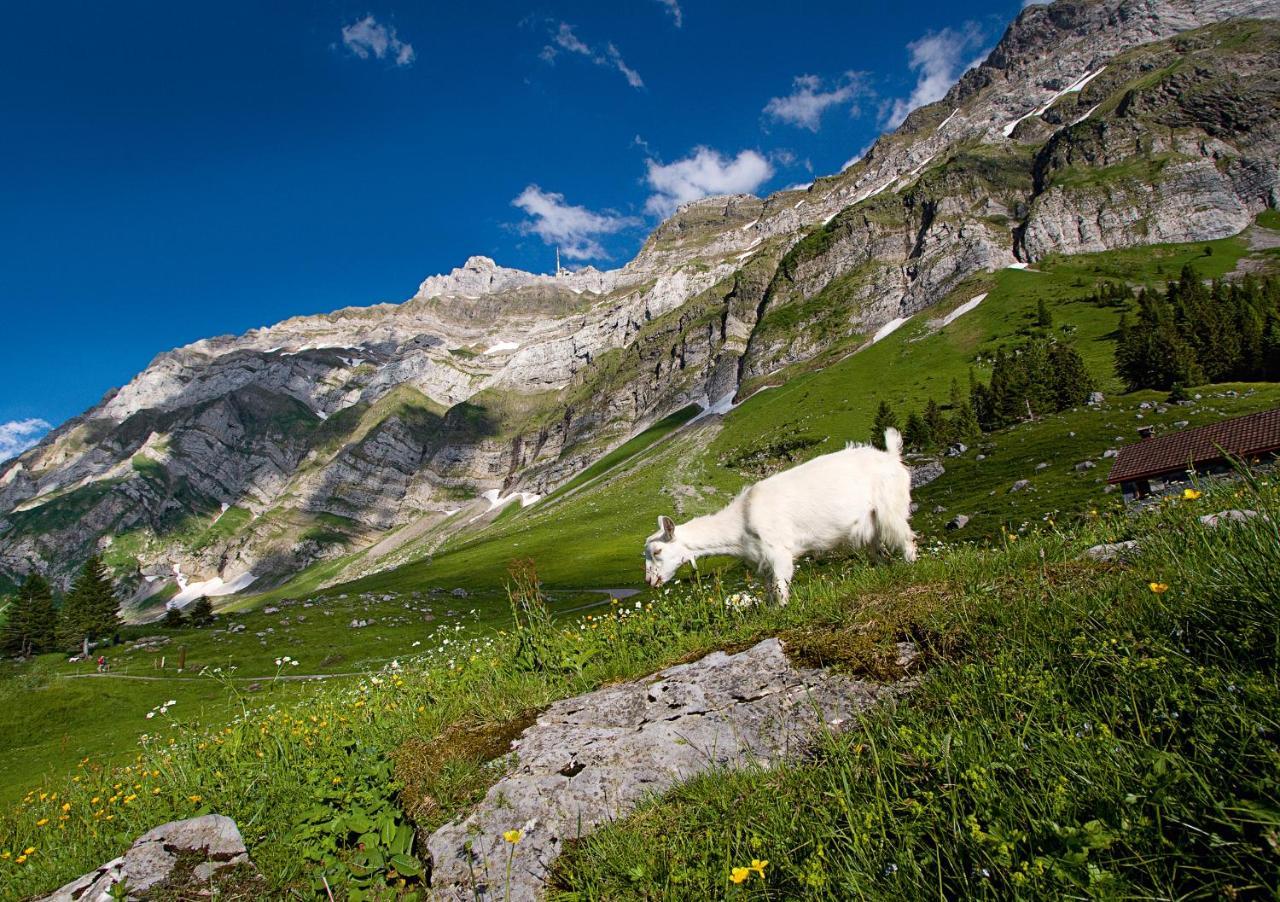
{"x": 173, "y": 171}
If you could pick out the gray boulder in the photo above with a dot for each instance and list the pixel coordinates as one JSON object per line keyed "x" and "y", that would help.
{"x": 1022, "y": 485}
{"x": 1112, "y": 552}
{"x": 959, "y": 521}
{"x": 588, "y": 760}
{"x": 1227, "y": 517}
{"x": 925, "y": 473}
{"x": 1085, "y": 465}
{"x": 153, "y": 860}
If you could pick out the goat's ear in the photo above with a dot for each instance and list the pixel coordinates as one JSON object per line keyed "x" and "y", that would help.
{"x": 668, "y": 527}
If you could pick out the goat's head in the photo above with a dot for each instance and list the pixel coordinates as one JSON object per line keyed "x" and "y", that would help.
{"x": 663, "y": 553}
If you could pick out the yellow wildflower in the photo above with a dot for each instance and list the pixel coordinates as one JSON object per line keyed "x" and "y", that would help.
{"x": 1191, "y": 494}
{"x": 738, "y": 875}
{"x": 29, "y": 850}
{"x": 42, "y": 822}
{"x": 20, "y": 859}
{"x": 1158, "y": 588}
{"x": 513, "y": 836}
{"x": 759, "y": 865}
{"x": 195, "y": 799}
{"x": 66, "y": 806}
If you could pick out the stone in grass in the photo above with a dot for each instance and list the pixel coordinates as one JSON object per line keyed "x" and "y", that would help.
{"x": 179, "y": 857}
{"x": 1085, "y": 465}
{"x": 591, "y": 759}
{"x": 939, "y": 509}
{"x": 1112, "y": 552}
{"x": 1022, "y": 485}
{"x": 959, "y": 521}
{"x": 925, "y": 473}
{"x": 1227, "y": 517}
{"x": 459, "y": 592}
{"x": 1110, "y": 452}
{"x": 1043, "y": 465}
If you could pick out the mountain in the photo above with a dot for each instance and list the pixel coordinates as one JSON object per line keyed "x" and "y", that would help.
{"x": 235, "y": 461}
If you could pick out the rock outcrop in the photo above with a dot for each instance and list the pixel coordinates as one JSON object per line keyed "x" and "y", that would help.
{"x": 1093, "y": 124}
{"x": 592, "y": 758}
{"x": 178, "y": 857}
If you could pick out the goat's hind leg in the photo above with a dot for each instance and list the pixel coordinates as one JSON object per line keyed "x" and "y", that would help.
{"x": 896, "y": 534}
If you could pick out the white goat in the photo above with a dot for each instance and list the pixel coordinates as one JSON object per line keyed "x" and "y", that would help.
{"x": 855, "y": 497}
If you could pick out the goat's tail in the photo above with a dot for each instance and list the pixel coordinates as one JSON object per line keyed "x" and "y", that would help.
{"x": 893, "y": 441}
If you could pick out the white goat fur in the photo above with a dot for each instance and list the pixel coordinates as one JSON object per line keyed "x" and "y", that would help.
{"x": 860, "y": 496}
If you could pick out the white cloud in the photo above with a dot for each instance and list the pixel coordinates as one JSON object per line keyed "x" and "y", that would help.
{"x": 938, "y": 59}
{"x": 806, "y": 103}
{"x": 369, "y": 38}
{"x": 677, "y": 14}
{"x": 573, "y": 229}
{"x": 703, "y": 173}
{"x": 563, "y": 39}
{"x": 17, "y": 436}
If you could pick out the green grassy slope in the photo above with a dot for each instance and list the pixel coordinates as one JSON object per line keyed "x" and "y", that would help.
{"x": 593, "y": 537}
{"x": 1072, "y": 734}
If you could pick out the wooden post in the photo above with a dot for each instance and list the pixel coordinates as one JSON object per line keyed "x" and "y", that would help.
{"x": 182, "y": 658}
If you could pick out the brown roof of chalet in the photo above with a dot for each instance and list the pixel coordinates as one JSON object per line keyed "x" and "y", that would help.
{"x": 1257, "y": 433}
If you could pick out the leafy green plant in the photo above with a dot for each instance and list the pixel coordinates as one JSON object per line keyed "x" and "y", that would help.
{"x": 354, "y": 835}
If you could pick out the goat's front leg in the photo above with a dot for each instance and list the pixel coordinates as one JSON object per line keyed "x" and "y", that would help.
{"x": 780, "y": 567}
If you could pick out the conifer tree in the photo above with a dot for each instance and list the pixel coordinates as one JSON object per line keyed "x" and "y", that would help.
{"x": 201, "y": 613}
{"x": 173, "y": 618}
{"x": 964, "y": 426}
{"x": 31, "y": 619}
{"x": 936, "y": 423}
{"x": 915, "y": 434}
{"x": 885, "y": 418}
{"x": 1071, "y": 381}
{"x": 91, "y": 610}
{"x": 1044, "y": 319}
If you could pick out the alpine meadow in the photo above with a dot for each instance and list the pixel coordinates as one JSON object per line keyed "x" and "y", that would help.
{"x": 368, "y": 604}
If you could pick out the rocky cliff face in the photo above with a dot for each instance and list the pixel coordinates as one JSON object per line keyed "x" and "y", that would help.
{"x": 1093, "y": 124}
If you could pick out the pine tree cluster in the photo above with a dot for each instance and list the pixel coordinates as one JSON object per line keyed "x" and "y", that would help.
{"x": 1195, "y": 333}
{"x": 1041, "y": 376}
{"x": 90, "y": 612}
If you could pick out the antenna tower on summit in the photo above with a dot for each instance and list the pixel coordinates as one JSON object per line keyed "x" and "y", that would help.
{"x": 558, "y": 269}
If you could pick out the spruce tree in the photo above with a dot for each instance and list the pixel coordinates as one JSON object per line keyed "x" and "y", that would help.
{"x": 91, "y": 609}
{"x": 1071, "y": 381}
{"x": 201, "y": 613}
{"x": 885, "y": 418}
{"x": 915, "y": 434}
{"x": 173, "y": 618}
{"x": 936, "y": 423}
{"x": 1044, "y": 319}
{"x": 964, "y": 426}
{"x": 953, "y": 396}
{"x": 31, "y": 619}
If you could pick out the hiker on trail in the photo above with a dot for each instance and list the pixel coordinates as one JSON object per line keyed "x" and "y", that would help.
{"x": 102, "y": 663}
